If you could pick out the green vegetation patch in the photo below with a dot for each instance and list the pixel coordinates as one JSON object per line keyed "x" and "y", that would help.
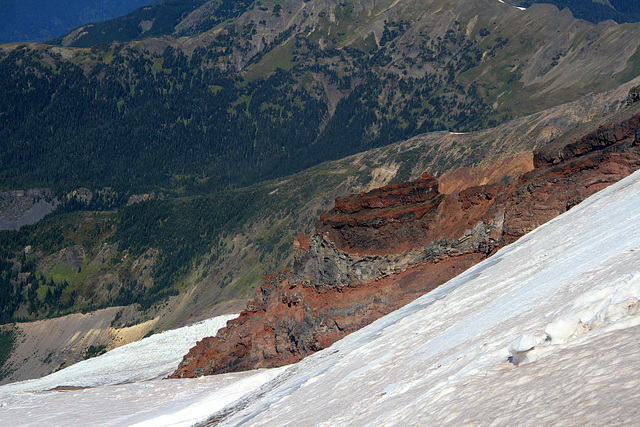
{"x": 632, "y": 69}
{"x": 184, "y": 229}
{"x": 95, "y": 350}
{"x": 61, "y": 272}
{"x": 157, "y": 65}
{"x": 247, "y": 281}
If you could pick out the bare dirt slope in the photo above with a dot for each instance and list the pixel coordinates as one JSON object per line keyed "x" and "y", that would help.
{"x": 46, "y": 346}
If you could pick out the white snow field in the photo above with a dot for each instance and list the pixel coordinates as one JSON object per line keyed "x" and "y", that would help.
{"x": 124, "y": 386}
{"x": 154, "y": 357}
{"x": 544, "y": 332}
{"x": 517, "y": 7}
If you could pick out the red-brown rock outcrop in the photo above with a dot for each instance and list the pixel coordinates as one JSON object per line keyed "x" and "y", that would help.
{"x": 375, "y": 252}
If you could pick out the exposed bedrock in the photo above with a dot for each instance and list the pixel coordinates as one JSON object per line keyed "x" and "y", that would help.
{"x": 377, "y": 251}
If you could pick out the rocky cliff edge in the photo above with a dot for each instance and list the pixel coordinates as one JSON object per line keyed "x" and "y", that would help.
{"x": 377, "y": 251}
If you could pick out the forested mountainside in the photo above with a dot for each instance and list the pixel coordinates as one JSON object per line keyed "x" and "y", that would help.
{"x": 37, "y": 21}
{"x": 619, "y": 11}
{"x": 286, "y": 86}
{"x": 171, "y": 150}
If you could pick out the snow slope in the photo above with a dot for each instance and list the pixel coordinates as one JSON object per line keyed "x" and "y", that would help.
{"x": 544, "y": 332}
{"x": 567, "y": 289}
{"x": 124, "y": 385}
{"x": 153, "y": 357}
{"x": 517, "y": 7}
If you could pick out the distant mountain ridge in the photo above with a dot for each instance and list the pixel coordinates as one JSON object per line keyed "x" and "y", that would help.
{"x": 190, "y": 17}
{"x": 160, "y": 18}
{"x": 620, "y": 11}
{"x": 354, "y": 76}
{"x": 37, "y": 21}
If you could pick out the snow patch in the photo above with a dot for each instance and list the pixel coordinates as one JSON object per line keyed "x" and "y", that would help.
{"x": 604, "y": 305}
{"x": 213, "y": 401}
{"x": 153, "y": 357}
{"x": 524, "y": 348}
{"x": 517, "y": 7}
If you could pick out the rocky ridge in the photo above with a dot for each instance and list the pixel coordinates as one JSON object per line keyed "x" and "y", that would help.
{"x": 376, "y": 251}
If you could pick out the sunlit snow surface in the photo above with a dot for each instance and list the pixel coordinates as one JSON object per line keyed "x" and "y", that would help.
{"x": 141, "y": 394}
{"x": 562, "y": 303}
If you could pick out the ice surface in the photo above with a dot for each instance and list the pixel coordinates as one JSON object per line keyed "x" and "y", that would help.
{"x": 152, "y": 357}
{"x": 124, "y": 387}
{"x": 146, "y": 403}
{"x": 563, "y": 301}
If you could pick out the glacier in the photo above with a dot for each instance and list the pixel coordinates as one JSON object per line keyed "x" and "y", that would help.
{"x": 542, "y": 332}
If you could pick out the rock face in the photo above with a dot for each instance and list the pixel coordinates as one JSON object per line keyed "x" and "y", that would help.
{"x": 634, "y": 95}
{"x": 25, "y": 207}
{"x": 377, "y": 251}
